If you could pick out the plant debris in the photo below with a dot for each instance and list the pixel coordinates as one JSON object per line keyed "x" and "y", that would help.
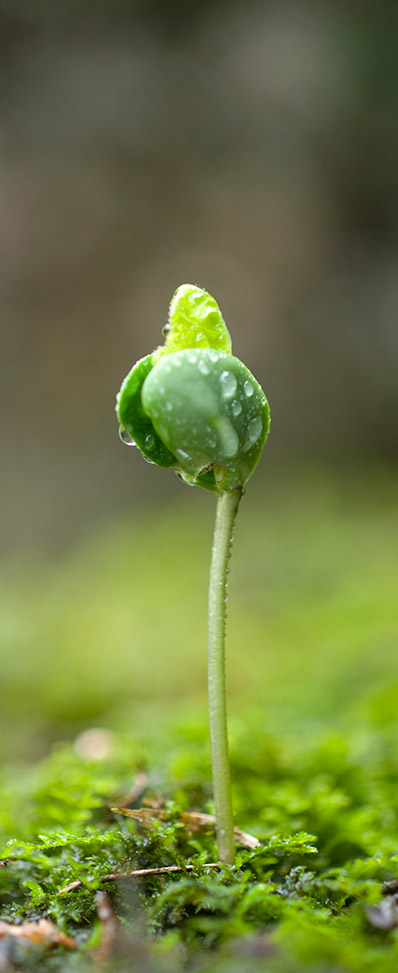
{"x": 42, "y": 931}
{"x": 191, "y": 820}
{"x": 136, "y": 791}
{"x": 111, "y": 934}
{"x": 385, "y": 915}
{"x": 138, "y": 873}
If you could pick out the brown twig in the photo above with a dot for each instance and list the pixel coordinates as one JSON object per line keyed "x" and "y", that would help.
{"x": 110, "y": 927}
{"x": 136, "y": 791}
{"x": 191, "y": 821}
{"x": 43, "y": 931}
{"x": 137, "y": 873}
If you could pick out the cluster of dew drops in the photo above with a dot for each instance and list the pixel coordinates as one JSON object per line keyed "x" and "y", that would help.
{"x": 228, "y": 390}
{"x": 129, "y": 441}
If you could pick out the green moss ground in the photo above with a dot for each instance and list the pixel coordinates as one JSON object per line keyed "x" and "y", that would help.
{"x": 114, "y": 635}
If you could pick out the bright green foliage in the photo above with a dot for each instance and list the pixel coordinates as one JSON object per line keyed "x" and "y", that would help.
{"x": 195, "y": 321}
{"x": 299, "y": 898}
{"x": 210, "y": 412}
{"x": 313, "y": 750}
{"x": 135, "y": 421}
{"x": 191, "y": 404}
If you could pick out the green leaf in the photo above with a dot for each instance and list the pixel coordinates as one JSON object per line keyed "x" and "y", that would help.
{"x": 210, "y": 412}
{"x": 191, "y": 404}
{"x": 37, "y": 893}
{"x": 195, "y": 321}
{"x": 134, "y": 420}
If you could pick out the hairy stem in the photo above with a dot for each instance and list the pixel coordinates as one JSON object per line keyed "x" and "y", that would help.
{"x": 227, "y": 506}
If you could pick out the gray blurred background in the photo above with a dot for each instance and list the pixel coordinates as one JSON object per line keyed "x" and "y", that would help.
{"x": 251, "y": 148}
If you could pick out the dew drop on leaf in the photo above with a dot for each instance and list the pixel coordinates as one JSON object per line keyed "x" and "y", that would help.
{"x": 249, "y": 390}
{"x": 228, "y": 437}
{"x": 203, "y": 367}
{"x": 125, "y": 437}
{"x": 236, "y": 407}
{"x": 254, "y": 430}
{"x": 228, "y": 385}
{"x": 182, "y": 455}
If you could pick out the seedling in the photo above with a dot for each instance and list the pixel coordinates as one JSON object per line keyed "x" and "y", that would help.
{"x": 192, "y": 405}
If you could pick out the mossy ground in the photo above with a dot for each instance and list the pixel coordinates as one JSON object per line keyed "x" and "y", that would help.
{"x": 114, "y": 636}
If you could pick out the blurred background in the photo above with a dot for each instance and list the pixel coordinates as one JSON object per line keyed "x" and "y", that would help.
{"x": 250, "y": 148}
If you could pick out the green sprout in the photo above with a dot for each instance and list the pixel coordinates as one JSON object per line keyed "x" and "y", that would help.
{"x": 192, "y": 405}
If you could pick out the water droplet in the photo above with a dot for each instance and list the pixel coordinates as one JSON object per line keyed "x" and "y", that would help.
{"x": 249, "y": 390}
{"x": 236, "y": 407}
{"x": 168, "y": 406}
{"x": 203, "y": 367}
{"x": 186, "y": 478}
{"x": 192, "y": 357}
{"x": 228, "y": 385}
{"x": 213, "y": 354}
{"x": 176, "y": 360}
{"x": 254, "y": 430}
{"x": 149, "y": 441}
{"x": 228, "y": 437}
{"x": 125, "y": 437}
{"x": 183, "y": 455}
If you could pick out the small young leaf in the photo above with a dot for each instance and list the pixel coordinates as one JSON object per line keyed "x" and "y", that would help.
{"x": 195, "y": 321}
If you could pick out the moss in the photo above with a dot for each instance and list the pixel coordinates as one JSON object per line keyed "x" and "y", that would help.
{"x": 313, "y": 703}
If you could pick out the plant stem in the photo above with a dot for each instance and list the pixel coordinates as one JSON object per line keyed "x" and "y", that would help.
{"x": 227, "y": 506}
